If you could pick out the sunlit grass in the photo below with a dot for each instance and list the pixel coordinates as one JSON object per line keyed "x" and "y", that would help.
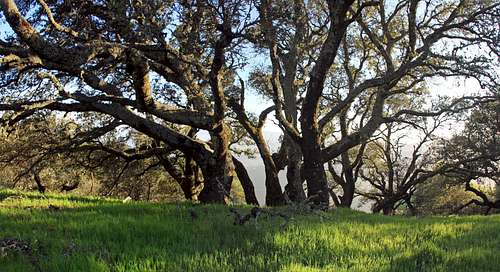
{"x": 90, "y": 234}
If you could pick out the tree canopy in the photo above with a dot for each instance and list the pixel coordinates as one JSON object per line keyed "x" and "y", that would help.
{"x": 338, "y": 75}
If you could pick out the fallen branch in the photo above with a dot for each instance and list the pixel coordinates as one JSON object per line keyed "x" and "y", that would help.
{"x": 240, "y": 218}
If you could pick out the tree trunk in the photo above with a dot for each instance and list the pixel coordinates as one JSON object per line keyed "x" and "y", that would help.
{"x": 348, "y": 189}
{"x": 218, "y": 171}
{"x": 412, "y": 211}
{"x": 218, "y": 177}
{"x": 274, "y": 195}
{"x": 388, "y": 210}
{"x": 315, "y": 175}
{"x": 314, "y": 172}
{"x": 386, "y": 207}
{"x": 349, "y": 186}
{"x": 40, "y": 187}
{"x": 246, "y": 182}
{"x": 217, "y": 185}
{"x": 191, "y": 179}
{"x": 187, "y": 180}
{"x": 497, "y": 191}
{"x": 187, "y": 189}
{"x": 377, "y": 207}
{"x": 294, "y": 189}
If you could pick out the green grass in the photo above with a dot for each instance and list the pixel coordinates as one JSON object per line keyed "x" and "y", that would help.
{"x": 91, "y": 234}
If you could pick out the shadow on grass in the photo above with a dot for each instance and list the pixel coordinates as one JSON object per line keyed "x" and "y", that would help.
{"x": 165, "y": 237}
{"x": 475, "y": 248}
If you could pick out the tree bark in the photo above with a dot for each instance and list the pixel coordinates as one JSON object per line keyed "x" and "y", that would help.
{"x": 311, "y": 143}
{"x": 294, "y": 188}
{"x": 348, "y": 193}
{"x": 217, "y": 185}
{"x": 412, "y": 210}
{"x": 386, "y": 207}
{"x": 388, "y": 210}
{"x": 191, "y": 172}
{"x": 314, "y": 172}
{"x": 40, "y": 187}
{"x": 219, "y": 171}
{"x": 246, "y": 182}
{"x": 274, "y": 194}
{"x": 185, "y": 181}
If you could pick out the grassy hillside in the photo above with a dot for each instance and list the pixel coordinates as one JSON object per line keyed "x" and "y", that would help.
{"x": 88, "y": 234}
